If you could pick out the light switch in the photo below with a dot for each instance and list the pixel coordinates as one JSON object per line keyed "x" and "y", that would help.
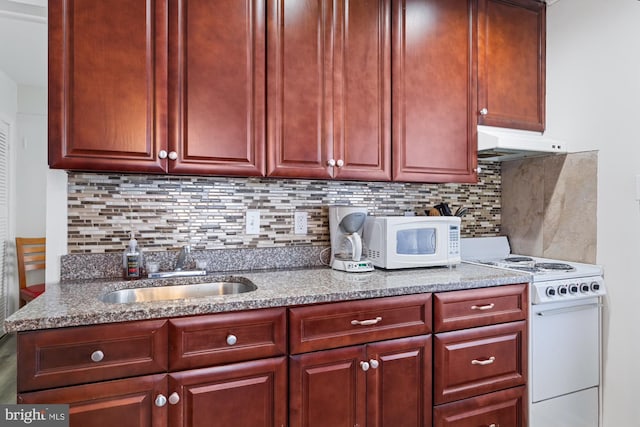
{"x": 252, "y": 220}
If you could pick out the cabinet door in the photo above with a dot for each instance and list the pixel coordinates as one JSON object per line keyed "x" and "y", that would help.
{"x": 399, "y": 383}
{"x": 248, "y": 394}
{"x": 122, "y": 403}
{"x": 329, "y": 89}
{"x": 327, "y": 388}
{"x": 217, "y": 86}
{"x": 433, "y": 90}
{"x": 107, "y": 84}
{"x": 362, "y": 80}
{"x": 300, "y": 93}
{"x": 503, "y": 408}
{"x": 511, "y": 63}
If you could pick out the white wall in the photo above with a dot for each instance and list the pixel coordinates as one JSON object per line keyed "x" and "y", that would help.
{"x": 31, "y": 162}
{"x": 8, "y": 112}
{"x": 593, "y": 102}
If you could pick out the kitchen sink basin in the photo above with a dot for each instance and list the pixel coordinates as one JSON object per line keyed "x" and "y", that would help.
{"x": 172, "y": 292}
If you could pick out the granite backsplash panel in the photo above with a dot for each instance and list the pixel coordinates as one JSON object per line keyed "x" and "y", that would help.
{"x": 549, "y": 206}
{"x": 167, "y": 212}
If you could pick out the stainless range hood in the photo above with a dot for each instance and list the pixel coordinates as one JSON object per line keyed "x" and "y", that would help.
{"x": 499, "y": 144}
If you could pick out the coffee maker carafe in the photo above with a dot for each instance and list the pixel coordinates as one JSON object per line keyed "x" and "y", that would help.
{"x": 345, "y": 227}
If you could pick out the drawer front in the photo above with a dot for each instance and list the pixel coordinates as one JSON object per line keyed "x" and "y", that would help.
{"x": 201, "y": 341}
{"x": 502, "y": 408}
{"x": 479, "y": 307}
{"x": 85, "y": 354}
{"x": 481, "y": 360}
{"x": 355, "y": 322}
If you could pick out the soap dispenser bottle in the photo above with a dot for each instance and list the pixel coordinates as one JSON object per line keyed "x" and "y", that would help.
{"x": 132, "y": 260}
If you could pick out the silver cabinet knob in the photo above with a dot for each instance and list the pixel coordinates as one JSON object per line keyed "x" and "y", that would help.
{"x": 97, "y": 356}
{"x": 365, "y": 366}
{"x": 231, "y": 339}
{"x": 160, "y": 401}
{"x": 340, "y": 163}
{"x": 162, "y": 154}
{"x": 173, "y": 155}
{"x": 374, "y": 364}
{"x": 174, "y": 398}
{"x": 331, "y": 162}
{"x": 484, "y": 112}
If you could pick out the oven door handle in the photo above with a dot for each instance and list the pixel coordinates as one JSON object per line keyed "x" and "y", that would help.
{"x": 568, "y": 309}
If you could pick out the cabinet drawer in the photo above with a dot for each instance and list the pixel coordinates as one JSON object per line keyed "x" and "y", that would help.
{"x": 355, "y": 322}
{"x": 480, "y": 360}
{"x": 85, "y": 354}
{"x": 224, "y": 338}
{"x": 502, "y": 408}
{"x": 479, "y": 307}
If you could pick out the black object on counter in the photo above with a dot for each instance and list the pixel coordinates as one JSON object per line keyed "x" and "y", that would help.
{"x": 444, "y": 210}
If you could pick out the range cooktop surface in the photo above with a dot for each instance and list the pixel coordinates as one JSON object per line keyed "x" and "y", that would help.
{"x": 553, "y": 280}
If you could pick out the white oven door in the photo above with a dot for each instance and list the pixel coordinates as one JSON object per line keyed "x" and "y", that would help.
{"x": 565, "y": 348}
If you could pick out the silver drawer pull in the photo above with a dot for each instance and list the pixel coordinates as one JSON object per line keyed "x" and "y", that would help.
{"x": 160, "y": 401}
{"x": 97, "y": 356}
{"x": 494, "y": 425}
{"x": 364, "y": 366}
{"x": 488, "y": 361}
{"x": 174, "y": 398}
{"x": 483, "y": 307}
{"x": 231, "y": 339}
{"x": 374, "y": 364}
{"x": 366, "y": 322}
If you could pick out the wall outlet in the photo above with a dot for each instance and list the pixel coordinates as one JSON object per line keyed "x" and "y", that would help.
{"x": 252, "y": 221}
{"x": 300, "y": 223}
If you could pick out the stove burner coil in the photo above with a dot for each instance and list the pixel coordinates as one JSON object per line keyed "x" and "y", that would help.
{"x": 518, "y": 259}
{"x": 554, "y": 266}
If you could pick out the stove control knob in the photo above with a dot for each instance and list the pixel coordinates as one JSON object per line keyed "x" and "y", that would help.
{"x": 551, "y": 291}
{"x": 573, "y": 288}
{"x": 595, "y": 286}
{"x": 584, "y": 288}
{"x": 562, "y": 290}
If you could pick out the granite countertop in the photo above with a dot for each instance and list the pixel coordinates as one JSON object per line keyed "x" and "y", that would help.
{"x": 79, "y": 303}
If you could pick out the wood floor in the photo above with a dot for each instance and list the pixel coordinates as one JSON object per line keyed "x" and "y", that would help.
{"x": 8, "y": 368}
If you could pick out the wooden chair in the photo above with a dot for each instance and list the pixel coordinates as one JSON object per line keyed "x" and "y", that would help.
{"x": 31, "y": 255}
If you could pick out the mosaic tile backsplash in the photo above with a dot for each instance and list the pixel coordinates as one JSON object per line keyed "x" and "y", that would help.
{"x": 167, "y": 212}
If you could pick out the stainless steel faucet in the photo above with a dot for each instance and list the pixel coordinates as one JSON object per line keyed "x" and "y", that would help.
{"x": 182, "y": 257}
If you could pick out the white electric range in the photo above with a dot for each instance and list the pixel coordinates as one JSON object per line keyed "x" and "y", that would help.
{"x": 564, "y": 332}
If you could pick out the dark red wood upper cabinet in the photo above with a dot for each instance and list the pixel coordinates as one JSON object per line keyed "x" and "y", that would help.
{"x": 433, "y": 87}
{"x": 217, "y": 87}
{"x": 362, "y": 85}
{"x": 511, "y": 63}
{"x": 328, "y": 89}
{"x": 107, "y": 84}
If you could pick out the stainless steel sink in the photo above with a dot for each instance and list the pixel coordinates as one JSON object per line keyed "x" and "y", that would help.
{"x": 164, "y": 293}
{"x": 177, "y": 273}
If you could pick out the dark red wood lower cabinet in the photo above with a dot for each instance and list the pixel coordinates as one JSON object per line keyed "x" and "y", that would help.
{"x": 122, "y": 403}
{"x": 247, "y": 394}
{"x": 382, "y": 384}
{"x": 506, "y": 408}
{"x": 399, "y": 389}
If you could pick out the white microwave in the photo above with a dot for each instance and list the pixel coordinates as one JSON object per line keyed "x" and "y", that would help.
{"x": 408, "y": 242}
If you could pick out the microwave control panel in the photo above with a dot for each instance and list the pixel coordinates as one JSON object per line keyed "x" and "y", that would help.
{"x": 454, "y": 240}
